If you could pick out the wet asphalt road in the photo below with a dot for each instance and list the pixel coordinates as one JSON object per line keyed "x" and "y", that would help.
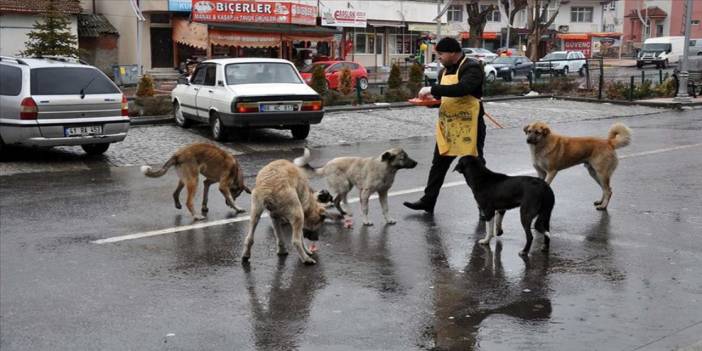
{"x": 626, "y": 279}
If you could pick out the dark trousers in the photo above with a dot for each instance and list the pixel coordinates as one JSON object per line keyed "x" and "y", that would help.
{"x": 441, "y": 164}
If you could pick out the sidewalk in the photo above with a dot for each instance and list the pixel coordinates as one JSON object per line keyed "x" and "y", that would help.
{"x": 619, "y": 62}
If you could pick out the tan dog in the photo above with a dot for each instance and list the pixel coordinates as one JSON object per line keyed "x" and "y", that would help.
{"x": 217, "y": 165}
{"x": 368, "y": 174}
{"x": 552, "y": 152}
{"x": 283, "y": 190}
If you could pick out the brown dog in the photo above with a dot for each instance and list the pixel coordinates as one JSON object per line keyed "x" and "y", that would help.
{"x": 283, "y": 190}
{"x": 552, "y": 152}
{"x": 217, "y": 165}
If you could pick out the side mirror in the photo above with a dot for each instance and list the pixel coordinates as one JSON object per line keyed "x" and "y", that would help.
{"x": 183, "y": 80}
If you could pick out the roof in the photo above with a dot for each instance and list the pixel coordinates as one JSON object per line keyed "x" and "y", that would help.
{"x": 225, "y": 61}
{"x": 41, "y": 63}
{"x": 650, "y": 12}
{"x": 91, "y": 25}
{"x": 39, "y": 6}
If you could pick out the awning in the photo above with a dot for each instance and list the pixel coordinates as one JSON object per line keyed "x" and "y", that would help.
{"x": 276, "y": 28}
{"x": 607, "y": 35}
{"x": 247, "y": 40}
{"x": 307, "y": 37}
{"x": 573, "y": 36}
{"x": 190, "y": 33}
{"x": 486, "y": 35}
{"x": 426, "y": 27}
{"x": 375, "y": 23}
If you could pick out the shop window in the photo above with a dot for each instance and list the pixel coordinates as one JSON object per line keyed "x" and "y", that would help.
{"x": 581, "y": 14}
{"x": 402, "y": 43}
{"x": 360, "y": 43}
{"x": 455, "y": 13}
{"x": 368, "y": 43}
{"x": 493, "y": 16}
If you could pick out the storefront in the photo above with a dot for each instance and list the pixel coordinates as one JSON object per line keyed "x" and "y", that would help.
{"x": 606, "y": 44}
{"x": 489, "y": 40}
{"x": 281, "y": 30}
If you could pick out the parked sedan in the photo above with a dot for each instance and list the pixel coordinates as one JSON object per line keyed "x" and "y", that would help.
{"x": 481, "y": 54}
{"x": 431, "y": 71}
{"x": 509, "y": 67}
{"x": 247, "y": 93}
{"x": 332, "y": 71}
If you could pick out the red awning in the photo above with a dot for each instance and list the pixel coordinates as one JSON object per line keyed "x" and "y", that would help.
{"x": 190, "y": 33}
{"x": 486, "y": 35}
{"x": 573, "y": 36}
{"x": 242, "y": 39}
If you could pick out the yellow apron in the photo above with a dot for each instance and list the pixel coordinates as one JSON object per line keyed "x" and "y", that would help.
{"x": 457, "y": 127}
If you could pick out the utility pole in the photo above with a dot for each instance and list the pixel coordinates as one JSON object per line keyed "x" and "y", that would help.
{"x": 683, "y": 96}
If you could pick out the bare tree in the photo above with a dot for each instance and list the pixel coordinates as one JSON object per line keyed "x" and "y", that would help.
{"x": 538, "y": 23}
{"x": 476, "y": 21}
{"x": 511, "y": 8}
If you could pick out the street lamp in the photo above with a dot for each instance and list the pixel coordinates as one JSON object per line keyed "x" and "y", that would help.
{"x": 683, "y": 96}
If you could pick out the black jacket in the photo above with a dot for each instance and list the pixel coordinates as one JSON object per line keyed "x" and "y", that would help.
{"x": 471, "y": 77}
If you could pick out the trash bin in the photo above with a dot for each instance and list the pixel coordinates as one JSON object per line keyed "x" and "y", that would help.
{"x": 126, "y": 74}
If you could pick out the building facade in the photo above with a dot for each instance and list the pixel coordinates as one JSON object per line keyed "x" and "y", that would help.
{"x": 657, "y": 18}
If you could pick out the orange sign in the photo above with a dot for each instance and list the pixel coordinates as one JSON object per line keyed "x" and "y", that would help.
{"x": 232, "y": 11}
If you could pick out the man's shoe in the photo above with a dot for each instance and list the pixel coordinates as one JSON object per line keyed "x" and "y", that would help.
{"x": 419, "y": 205}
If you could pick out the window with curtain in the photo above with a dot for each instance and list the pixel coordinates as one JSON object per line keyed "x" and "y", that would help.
{"x": 455, "y": 13}
{"x": 581, "y": 14}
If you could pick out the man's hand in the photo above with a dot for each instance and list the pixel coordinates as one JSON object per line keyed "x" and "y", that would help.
{"x": 424, "y": 93}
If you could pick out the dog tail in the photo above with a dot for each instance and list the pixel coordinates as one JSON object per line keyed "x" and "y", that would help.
{"x": 543, "y": 222}
{"x": 149, "y": 172}
{"x": 304, "y": 162}
{"x": 619, "y": 135}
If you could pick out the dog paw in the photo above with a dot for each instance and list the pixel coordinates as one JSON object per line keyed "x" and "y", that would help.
{"x": 597, "y": 203}
{"x": 178, "y": 206}
{"x": 484, "y": 241}
{"x": 367, "y": 223}
{"x": 198, "y": 217}
{"x": 601, "y": 208}
{"x": 309, "y": 260}
{"x": 204, "y": 210}
{"x": 390, "y": 221}
{"x": 500, "y": 232}
{"x": 239, "y": 210}
{"x": 523, "y": 253}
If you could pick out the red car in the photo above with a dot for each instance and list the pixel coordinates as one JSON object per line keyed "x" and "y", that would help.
{"x": 332, "y": 69}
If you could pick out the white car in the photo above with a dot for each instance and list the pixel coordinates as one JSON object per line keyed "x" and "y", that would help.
{"x": 247, "y": 93}
{"x": 561, "y": 62}
{"x": 431, "y": 71}
{"x": 481, "y": 54}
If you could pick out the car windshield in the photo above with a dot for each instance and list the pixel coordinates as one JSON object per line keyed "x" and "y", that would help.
{"x": 656, "y": 47}
{"x": 507, "y": 60}
{"x": 554, "y": 56}
{"x": 260, "y": 73}
{"x": 310, "y": 68}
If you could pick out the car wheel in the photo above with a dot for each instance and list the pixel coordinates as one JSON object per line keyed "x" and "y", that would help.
{"x": 180, "y": 119}
{"x": 511, "y": 76}
{"x": 639, "y": 65}
{"x": 219, "y": 131}
{"x": 565, "y": 71}
{"x": 95, "y": 149}
{"x": 300, "y": 132}
{"x": 490, "y": 77}
{"x": 363, "y": 83}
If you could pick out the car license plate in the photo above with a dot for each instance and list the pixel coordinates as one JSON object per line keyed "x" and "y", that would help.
{"x": 278, "y": 108}
{"x": 82, "y": 131}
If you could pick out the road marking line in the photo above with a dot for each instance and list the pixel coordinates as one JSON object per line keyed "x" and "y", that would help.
{"x": 172, "y": 230}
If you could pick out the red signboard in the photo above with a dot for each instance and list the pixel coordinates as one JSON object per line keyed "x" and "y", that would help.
{"x": 232, "y": 11}
{"x": 583, "y": 46}
{"x": 303, "y": 14}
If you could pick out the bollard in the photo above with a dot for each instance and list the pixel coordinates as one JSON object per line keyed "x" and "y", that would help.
{"x": 587, "y": 76}
{"x": 643, "y": 76}
{"x": 599, "y": 92}
{"x": 660, "y": 76}
{"x": 631, "y": 89}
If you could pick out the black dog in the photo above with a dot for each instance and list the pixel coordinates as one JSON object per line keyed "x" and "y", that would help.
{"x": 496, "y": 192}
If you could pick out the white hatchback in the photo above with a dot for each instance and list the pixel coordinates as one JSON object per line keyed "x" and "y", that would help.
{"x": 247, "y": 93}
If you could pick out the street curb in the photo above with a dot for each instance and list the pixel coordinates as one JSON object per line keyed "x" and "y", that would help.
{"x": 670, "y": 105}
{"x": 151, "y": 120}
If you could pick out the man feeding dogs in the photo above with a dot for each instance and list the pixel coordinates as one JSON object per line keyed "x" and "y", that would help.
{"x": 460, "y": 130}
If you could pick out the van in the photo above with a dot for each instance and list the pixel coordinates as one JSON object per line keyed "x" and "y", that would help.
{"x": 661, "y": 51}
{"x": 695, "y": 48}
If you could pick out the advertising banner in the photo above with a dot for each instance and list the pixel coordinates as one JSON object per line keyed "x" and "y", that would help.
{"x": 232, "y": 11}
{"x": 578, "y": 45}
{"x": 179, "y": 5}
{"x": 344, "y": 18}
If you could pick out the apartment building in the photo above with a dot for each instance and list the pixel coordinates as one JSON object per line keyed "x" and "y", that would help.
{"x": 644, "y": 19}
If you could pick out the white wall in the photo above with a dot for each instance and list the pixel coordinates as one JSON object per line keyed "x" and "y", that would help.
{"x": 14, "y": 30}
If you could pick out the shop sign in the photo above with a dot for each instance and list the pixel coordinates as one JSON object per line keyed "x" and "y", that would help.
{"x": 231, "y": 11}
{"x": 578, "y": 45}
{"x": 344, "y": 18}
{"x": 179, "y": 5}
{"x": 303, "y": 14}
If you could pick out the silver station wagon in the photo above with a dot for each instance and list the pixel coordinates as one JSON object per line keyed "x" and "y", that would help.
{"x": 239, "y": 93}
{"x": 54, "y": 101}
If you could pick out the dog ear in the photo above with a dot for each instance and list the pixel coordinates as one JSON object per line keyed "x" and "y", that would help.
{"x": 387, "y": 156}
{"x": 545, "y": 131}
{"x": 247, "y": 190}
{"x": 526, "y": 129}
